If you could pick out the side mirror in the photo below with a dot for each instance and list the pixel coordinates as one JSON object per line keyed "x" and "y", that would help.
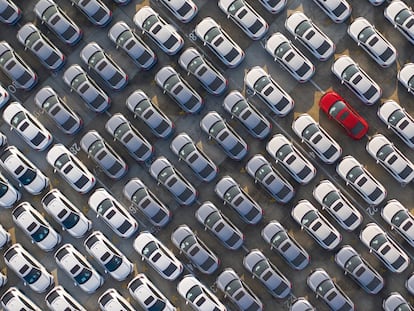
{"x": 74, "y": 283}
{"x": 142, "y": 258}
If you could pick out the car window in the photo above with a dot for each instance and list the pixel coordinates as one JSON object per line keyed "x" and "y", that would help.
{"x": 149, "y": 22}
{"x": 402, "y": 16}
{"x": 211, "y": 34}
{"x": 282, "y": 49}
{"x": 366, "y": 33}
{"x": 349, "y": 72}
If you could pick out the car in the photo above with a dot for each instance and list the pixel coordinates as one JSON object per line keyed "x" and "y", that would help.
{"x": 58, "y": 21}
{"x": 337, "y": 205}
{"x": 228, "y": 190}
{"x": 237, "y": 291}
{"x": 22, "y": 76}
{"x": 409, "y": 284}
{"x": 13, "y": 299}
{"x": 78, "y": 268}
{"x": 23, "y": 170}
{"x": 355, "y": 175}
{"x": 72, "y": 220}
{"x": 122, "y": 130}
{"x": 59, "y": 299}
{"x": 4, "y": 95}
{"x": 123, "y": 36}
{"x": 168, "y": 176}
{"x": 70, "y": 168}
{"x": 405, "y": 76}
{"x": 359, "y": 269}
{"x": 301, "y": 304}
{"x": 148, "y": 203}
{"x": 384, "y": 248}
{"x": 80, "y": 82}
{"x": 245, "y": 17}
{"x": 289, "y": 57}
{"x": 179, "y": 90}
{"x": 401, "y": 16}
{"x": 398, "y": 120}
{"x": 3, "y": 140}
{"x": 58, "y": 110}
{"x": 268, "y": 274}
{"x": 337, "y": 10}
{"x": 10, "y": 13}
{"x": 291, "y": 159}
{"x": 5, "y": 238}
{"x": 184, "y": 10}
{"x": 310, "y": 36}
{"x": 159, "y": 257}
{"x": 337, "y": 108}
{"x": 400, "y": 219}
{"x": 221, "y": 132}
{"x": 94, "y": 56}
{"x": 162, "y": 33}
{"x": 325, "y": 287}
{"x": 376, "y": 2}
{"x": 108, "y": 256}
{"x": 314, "y": 135}
{"x": 372, "y": 41}
{"x": 356, "y": 79}
{"x": 48, "y": 54}
{"x": 142, "y": 107}
{"x": 269, "y": 179}
{"x": 248, "y": 115}
{"x": 272, "y": 95}
{"x": 113, "y": 213}
{"x": 395, "y": 301}
{"x": 196, "y": 64}
{"x": 9, "y": 195}
{"x": 219, "y": 42}
{"x": 213, "y": 220}
{"x": 112, "y": 300}
{"x": 95, "y": 10}
{"x": 28, "y": 269}
{"x": 185, "y": 149}
{"x": 94, "y": 145}
{"x": 148, "y": 295}
{"x": 197, "y": 295}
{"x": 195, "y": 249}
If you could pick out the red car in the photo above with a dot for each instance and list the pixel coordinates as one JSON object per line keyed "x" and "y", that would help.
{"x": 337, "y": 108}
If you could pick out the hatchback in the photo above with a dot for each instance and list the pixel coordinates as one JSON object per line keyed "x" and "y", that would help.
{"x": 406, "y": 77}
{"x": 184, "y": 10}
{"x": 274, "y": 6}
{"x": 396, "y": 302}
{"x": 9, "y": 195}
{"x": 400, "y": 219}
{"x": 95, "y": 10}
{"x": 59, "y": 299}
{"x": 14, "y": 299}
{"x": 337, "y": 10}
{"x": 112, "y": 300}
{"x": 9, "y": 12}
{"x": 402, "y": 17}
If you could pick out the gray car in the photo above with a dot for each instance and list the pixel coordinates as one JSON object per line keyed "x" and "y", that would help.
{"x": 274, "y": 6}
{"x": 396, "y": 302}
{"x": 95, "y": 10}
{"x": 301, "y": 304}
{"x": 184, "y": 10}
{"x": 10, "y": 13}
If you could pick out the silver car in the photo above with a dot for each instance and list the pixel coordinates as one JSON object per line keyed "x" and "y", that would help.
{"x": 405, "y": 77}
{"x": 301, "y": 304}
{"x": 395, "y": 302}
{"x": 59, "y": 299}
{"x": 274, "y": 6}
{"x": 409, "y": 284}
{"x": 9, "y": 195}
{"x": 14, "y": 299}
{"x": 10, "y": 13}
{"x": 112, "y": 300}
{"x": 337, "y": 10}
{"x": 95, "y": 10}
{"x": 400, "y": 219}
{"x": 184, "y": 10}
{"x": 402, "y": 17}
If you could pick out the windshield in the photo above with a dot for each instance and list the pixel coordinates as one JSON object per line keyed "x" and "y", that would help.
{"x": 83, "y": 276}
{"x": 211, "y": 34}
{"x": 28, "y": 176}
{"x": 378, "y": 241}
{"x": 349, "y": 72}
{"x": 32, "y": 276}
{"x": 149, "y": 22}
{"x": 71, "y": 220}
{"x": 282, "y": 49}
{"x": 113, "y": 263}
{"x": 40, "y": 234}
{"x": 365, "y": 34}
{"x": 149, "y": 249}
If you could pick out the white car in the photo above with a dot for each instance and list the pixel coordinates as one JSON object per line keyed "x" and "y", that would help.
{"x": 409, "y": 284}
{"x": 310, "y": 36}
{"x": 372, "y": 41}
{"x": 293, "y": 161}
{"x": 309, "y": 131}
{"x": 158, "y": 256}
{"x": 289, "y": 57}
{"x": 274, "y": 6}
{"x": 5, "y": 237}
{"x": 9, "y": 195}
{"x": 395, "y": 302}
{"x": 184, "y": 10}
{"x": 337, "y": 205}
{"x": 27, "y": 126}
{"x": 402, "y": 17}
{"x": 76, "y": 174}
{"x": 113, "y": 213}
{"x": 59, "y": 299}
{"x": 219, "y": 42}
{"x": 10, "y": 13}
{"x": 337, "y": 10}
{"x": 78, "y": 268}
{"x": 406, "y": 76}
{"x": 4, "y": 96}
{"x": 400, "y": 219}
{"x": 356, "y": 79}
{"x": 95, "y": 10}
{"x": 112, "y": 300}
{"x": 13, "y": 299}
{"x": 355, "y": 175}
{"x": 391, "y": 158}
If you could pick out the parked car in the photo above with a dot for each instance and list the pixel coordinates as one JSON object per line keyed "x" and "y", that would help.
{"x": 401, "y": 16}
{"x": 400, "y": 219}
{"x": 274, "y": 6}
{"x": 111, "y": 300}
{"x": 14, "y": 299}
{"x": 5, "y": 238}
{"x": 59, "y": 299}
{"x": 395, "y": 301}
{"x": 184, "y": 10}
{"x": 409, "y": 284}
{"x": 95, "y": 10}
{"x": 405, "y": 76}
{"x": 337, "y": 10}
{"x": 4, "y": 95}
{"x": 9, "y": 195}
{"x": 301, "y": 304}
{"x": 10, "y": 13}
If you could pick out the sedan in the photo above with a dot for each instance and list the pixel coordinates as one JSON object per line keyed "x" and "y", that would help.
{"x": 244, "y": 16}
{"x": 95, "y": 57}
{"x": 112, "y": 300}
{"x": 196, "y": 64}
{"x": 289, "y": 57}
{"x": 283, "y": 152}
{"x": 335, "y": 107}
{"x": 59, "y": 299}
{"x": 167, "y": 175}
{"x": 9, "y": 195}
{"x": 184, "y": 10}
{"x": 409, "y": 284}
{"x": 274, "y": 6}
{"x": 355, "y": 175}
{"x": 372, "y": 41}
{"x": 163, "y": 34}
{"x": 219, "y": 42}
{"x": 271, "y": 93}
{"x": 310, "y": 36}
{"x": 14, "y": 299}
{"x": 4, "y": 95}
{"x": 9, "y": 12}
{"x": 179, "y": 90}
{"x": 271, "y": 277}
{"x": 48, "y": 54}
{"x": 5, "y": 238}
{"x": 76, "y": 174}
{"x": 195, "y": 249}
{"x": 58, "y": 21}
{"x": 406, "y": 77}
{"x": 402, "y": 17}
{"x": 185, "y": 148}
{"x": 95, "y": 10}
{"x": 400, "y": 219}
{"x": 356, "y": 79}
{"x": 384, "y": 248}
{"x": 359, "y": 269}
{"x": 159, "y": 257}
{"x": 337, "y": 10}
{"x": 301, "y": 304}
{"x": 231, "y": 193}
{"x": 248, "y": 115}
{"x": 396, "y": 302}
{"x": 102, "y": 153}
